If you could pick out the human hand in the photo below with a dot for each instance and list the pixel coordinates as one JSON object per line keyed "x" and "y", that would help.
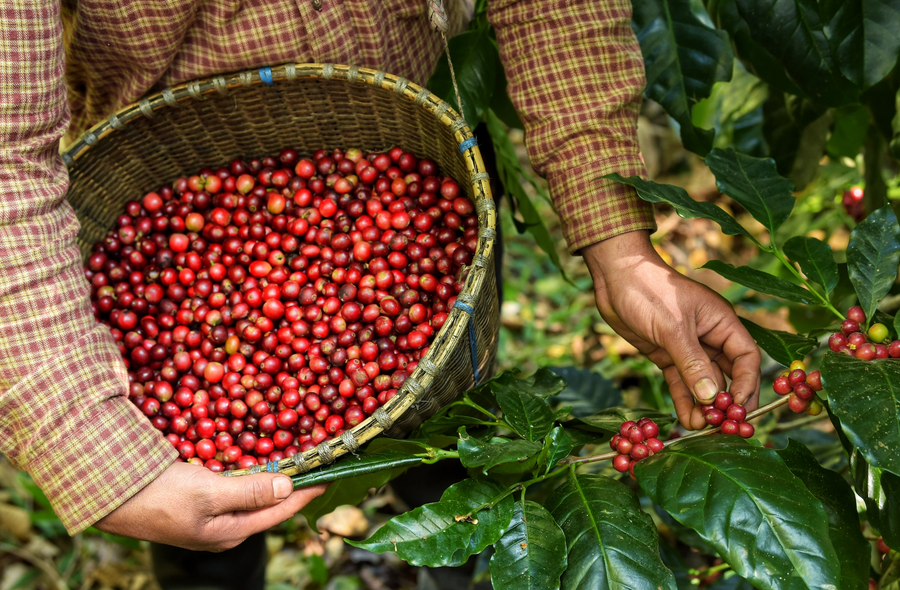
{"x": 190, "y": 506}
{"x": 685, "y": 328}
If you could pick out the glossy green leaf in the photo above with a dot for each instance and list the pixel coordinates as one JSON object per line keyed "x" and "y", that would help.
{"x": 816, "y": 260}
{"x": 611, "y": 419}
{"x": 865, "y": 397}
{"x": 849, "y": 132}
{"x": 557, "y": 446}
{"x": 487, "y": 454}
{"x": 683, "y": 57}
{"x": 783, "y": 347}
{"x": 873, "y": 255}
{"x": 543, "y": 383}
{"x": 744, "y": 501}
{"x": 895, "y": 127}
{"x": 880, "y": 490}
{"x": 839, "y": 503}
{"x": 761, "y": 282}
{"x": 586, "y": 391}
{"x": 755, "y": 56}
{"x": 359, "y": 474}
{"x": 439, "y": 534}
{"x": 511, "y": 173}
{"x": 863, "y": 38}
{"x": 531, "y": 554}
{"x": 527, "y": 413}
{"x": 610, "y": 542}
{"x": 794, "y": 33}
{"x": 475, "y": 61}
{"x": 355, "y": 465}
{"x": 755, "y": 184}
{"x": 450, "y": 423}
{"x": 500, "y": 102}
{"x": 684, "y": 205}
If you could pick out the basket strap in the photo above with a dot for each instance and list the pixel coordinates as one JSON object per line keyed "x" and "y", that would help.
{"x": 473, "y": 343}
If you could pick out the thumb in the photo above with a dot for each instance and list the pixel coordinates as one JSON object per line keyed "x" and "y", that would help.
{"x": 253, "y": 492}
{"x": 695, "y": 369}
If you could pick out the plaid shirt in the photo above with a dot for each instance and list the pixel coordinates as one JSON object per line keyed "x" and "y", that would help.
{"x": 575, "y": 74}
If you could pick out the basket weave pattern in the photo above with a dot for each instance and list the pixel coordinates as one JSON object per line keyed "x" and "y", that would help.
{"x": 306, "y": 106}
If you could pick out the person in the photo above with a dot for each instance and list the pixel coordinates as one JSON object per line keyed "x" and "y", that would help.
{"x": 575, "y": 76}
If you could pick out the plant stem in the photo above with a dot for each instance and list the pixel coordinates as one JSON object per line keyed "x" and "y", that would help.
{"x": 519, "y": 486}
{"x": 706, "y": 431}
{"x": 824, "y": 300}
{"x": 468, "y": 402}
{"x": 799, "y": 422}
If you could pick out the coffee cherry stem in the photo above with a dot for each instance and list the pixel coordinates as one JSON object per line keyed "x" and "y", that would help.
{"x": 706, "y": 431}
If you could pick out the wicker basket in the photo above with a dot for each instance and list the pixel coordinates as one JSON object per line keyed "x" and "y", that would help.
{"x": 307, "y": 106}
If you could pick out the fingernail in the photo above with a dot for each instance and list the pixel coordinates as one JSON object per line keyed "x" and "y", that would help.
{"x": 705, "y": 390}
{"x": 282, "y": 487}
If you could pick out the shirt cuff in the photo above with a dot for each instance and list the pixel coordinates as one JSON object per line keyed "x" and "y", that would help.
{"x": 592, "y": 208}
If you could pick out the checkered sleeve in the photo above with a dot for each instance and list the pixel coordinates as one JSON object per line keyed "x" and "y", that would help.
{"x": 64, "y": 415}
{"x": 575, "y": 76}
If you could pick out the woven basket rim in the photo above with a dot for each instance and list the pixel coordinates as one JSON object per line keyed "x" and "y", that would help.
{"x": 456, "y": 325}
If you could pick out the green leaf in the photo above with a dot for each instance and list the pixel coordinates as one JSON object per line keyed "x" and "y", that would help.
{"x": 793, "y": 32}
{"x": 850, "y": 124}
{"x": 531, "y": 554}
{"x": 683, "y": 57}
{"x": 500, "y": 102}
{"x": 783, "y": 347}
{"x": 815, "y": 259}
{"x": 756, "y": 57}
{"x": 356, "y": 486}
{"x": 762, "y": 282}
{"x": 897, "y": 324}
{"x": 872, "y": 257}
{"x": 543, "y": 383}
{"x": 610, "y": 541}
{"x": 755, "y": 184}
{"x": 895, "y": 127}
{"x": 863, "y": 38}
{"x": 476, "y": 453}
{"x": 880, "y": 490}
{"x": 439, "y": 534}
{"x": 586, "y": 391}
{"x": 684, "y": 205}
{"x": 510, "y": 172}
{"x": 865, "y": 397}
{"x": 528, "y": 414}
{"x": 839, "y": 503}
{"x": 890, "y": 573}
{"x": 558, "y": 445}
{"x": 611, "y": 419}
{"x": 475, "y": 61}
{"x": 744, "y": 501}
{"x": 356, "y": 465}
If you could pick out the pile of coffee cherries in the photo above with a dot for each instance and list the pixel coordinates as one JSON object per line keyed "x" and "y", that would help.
{"x": 266, "y": 306}
{"x": 729, "y": 415}
{"x": 802, "y": 388}
{"x": 866, "y": 346}
{"x": 635, "y": 441}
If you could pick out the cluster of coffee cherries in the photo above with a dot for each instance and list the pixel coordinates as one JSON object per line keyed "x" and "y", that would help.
{"x": 266, "y": 306}
{"x": 728, "y": 415}
{"x": 866, "y": 346}
{"x": 802, "y": 388}
{"x": 635, "y": 441}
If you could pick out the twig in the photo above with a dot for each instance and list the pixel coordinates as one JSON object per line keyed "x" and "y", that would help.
{"x": 707, "y": 431}
{"x": 41, "y": 564}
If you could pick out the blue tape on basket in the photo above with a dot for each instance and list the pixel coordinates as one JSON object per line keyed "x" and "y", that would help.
{"x": 468, "y": 144}
{"x": 473, "y": 346}
{"x": 272, "y": 466}
{"x": 265, "y": 74}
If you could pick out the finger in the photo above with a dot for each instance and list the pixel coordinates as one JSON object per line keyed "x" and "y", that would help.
{"x": 689, "y": 414}
{"x": 245, "y": 524}
{"x": 251, "y": 492}
{"x": 694, "y": 366}
{"x": 740, "y": 348}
